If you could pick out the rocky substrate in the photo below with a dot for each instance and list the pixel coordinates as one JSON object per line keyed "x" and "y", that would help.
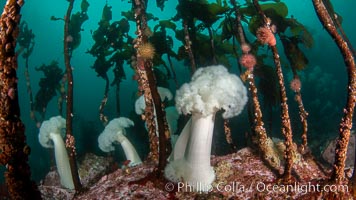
{"x": 240, "y": 175}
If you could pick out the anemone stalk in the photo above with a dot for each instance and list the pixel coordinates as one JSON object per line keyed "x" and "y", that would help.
{"x": 198, "y": 150}
{"x": 130, "y": 152}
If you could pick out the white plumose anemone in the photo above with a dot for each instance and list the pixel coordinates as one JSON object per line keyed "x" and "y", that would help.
{"x": 51, "y": 135}
{"x": 172, "y": 114}
{"x": 115, "y": 132}
{"x": 140, "y": 105}
{"x": 211, "y": 89}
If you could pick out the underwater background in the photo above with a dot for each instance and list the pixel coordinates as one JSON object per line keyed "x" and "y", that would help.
{"x": 323, "y": 79}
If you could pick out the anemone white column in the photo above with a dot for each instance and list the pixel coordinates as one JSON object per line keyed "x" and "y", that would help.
{"x": 191, "y": 163}
{"x": 197, "y": 153}
{"x": 129, "y": 150}
{"x": 62, "y": 161}
{"x": 181, "y": 144}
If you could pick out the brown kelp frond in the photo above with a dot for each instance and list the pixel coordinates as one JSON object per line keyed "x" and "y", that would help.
{"x": 14, "y": 151}
{"x": 346, "y": 122}
{"x": 70, "y": 141}
{"x": 286, "y": 125}
{"x": 147, "y": 84}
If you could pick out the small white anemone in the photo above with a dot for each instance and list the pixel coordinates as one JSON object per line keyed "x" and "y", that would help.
{"x": 164, "y": 94}
{"x": 172, "y": 114}
{"x": 115, "y": 132}
{"x": 51, "y": 135}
